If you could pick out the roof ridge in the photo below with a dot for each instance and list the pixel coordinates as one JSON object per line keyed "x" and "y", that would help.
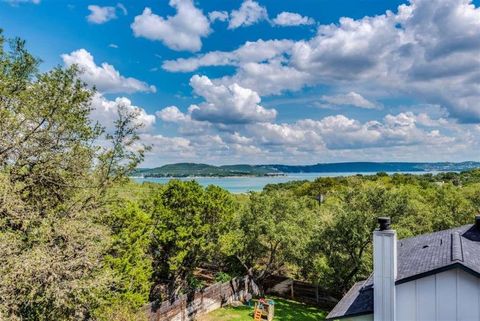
{"x": 457, "y": 248}
{"x": 452, "y": 230}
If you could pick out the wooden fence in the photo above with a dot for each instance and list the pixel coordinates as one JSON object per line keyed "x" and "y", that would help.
{"x": 189, "y": 307}
{"x": 299, "y": 291}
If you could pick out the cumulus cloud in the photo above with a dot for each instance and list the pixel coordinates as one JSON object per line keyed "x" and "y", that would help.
{"x": 285, "y": 19}
{"x": 206, "y": 147}
{"x": 255, "y": 51}
{"x": 106, "y": 111}
{"x": 426, "y": 120}
{"x": 168, "y": 144}
{"x": 171, "y": 149}
{"x": 341, "y": 132}
{"x": 426, "y": 50}
{"x": 249, "y": 13}
{"x": 100, "y": 15}
{"x": 218, "y": 15}
{"x": 104, "y": 77}
{"x": 183, "y": 31}
{"x": 339, "y": 137}
{"x": 284, "y": 135}
{"x": 231, "y": 104}
{"x": 171, "y": 114}
{"x": 260, "y": 66}
{"x": 186, "y": 125}
{"x": 351, "y": 99}
{"x": 269, "y": 78}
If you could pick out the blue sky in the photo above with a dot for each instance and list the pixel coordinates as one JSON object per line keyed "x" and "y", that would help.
{"x": 265, "y": 81}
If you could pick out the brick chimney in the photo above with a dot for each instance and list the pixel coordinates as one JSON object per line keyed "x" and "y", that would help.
{"x": 384, "y": 270}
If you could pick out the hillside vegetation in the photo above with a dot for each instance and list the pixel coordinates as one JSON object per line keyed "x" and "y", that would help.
{"x": 204, "y": 170}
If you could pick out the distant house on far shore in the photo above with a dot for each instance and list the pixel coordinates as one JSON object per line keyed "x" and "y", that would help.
{"x": 424, "y": 278}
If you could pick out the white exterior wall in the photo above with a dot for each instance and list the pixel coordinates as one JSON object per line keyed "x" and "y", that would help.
{"x": 452, "y": 295}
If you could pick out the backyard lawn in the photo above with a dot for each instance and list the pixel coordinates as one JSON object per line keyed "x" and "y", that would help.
{"x": 285, "y": 310}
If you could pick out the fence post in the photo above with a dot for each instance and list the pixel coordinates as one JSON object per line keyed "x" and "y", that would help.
{"x": 316, "y": 292}
{"x": 291, "y": 292}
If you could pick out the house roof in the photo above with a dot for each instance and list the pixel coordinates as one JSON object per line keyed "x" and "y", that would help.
{"x": 418, "y": 257}
{"x": 357, "y": 301}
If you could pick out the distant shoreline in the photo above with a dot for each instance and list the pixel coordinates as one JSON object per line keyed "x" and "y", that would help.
{"x": 198, "y": 170}
{"x": 347, "y": 173}
{"x": 245, "y": 184}
{"x": 212, "y": 176}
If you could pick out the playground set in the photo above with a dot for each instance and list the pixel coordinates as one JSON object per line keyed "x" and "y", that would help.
{"x": 264, "y": 310}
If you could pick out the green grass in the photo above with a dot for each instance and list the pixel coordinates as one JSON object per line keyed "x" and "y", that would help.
{"x": 285, "y": 310}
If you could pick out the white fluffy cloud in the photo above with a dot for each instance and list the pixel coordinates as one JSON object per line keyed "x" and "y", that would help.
{"x": 106, "y": 111}
{"x": 186, "y": 125}
{"x": 427, "y": 50}
{"x": 350, "y": 99}
{"x": 332, "y": 138}
{"x": 183, "y": 31}
{"x": 256, "y": 51}
{"x": 285, "y": 19}
{"x": 104, "y": 77}
{"x": 341, "y": 132}
{"x": 249, "y": 13}
{"x": 171, "y": 149}
{"x": 99, "y": 15}
{"x": 231, "y": 104}
{"x": 285, "y": 135}
{"x": 261, "y": 65}
{"x": 171, "y": 114}
{"x": 268, "y": 78}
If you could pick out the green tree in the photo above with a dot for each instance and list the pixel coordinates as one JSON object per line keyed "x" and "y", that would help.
{"x": 54, "y": 180}
{"x": 188, "y": 221}
{"x": 341, "y": 252}
{"x": 270, "y": 231}
{"x": 129, "y": 255}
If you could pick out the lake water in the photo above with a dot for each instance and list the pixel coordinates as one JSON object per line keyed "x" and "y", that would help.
{"x": 246, "y": 184}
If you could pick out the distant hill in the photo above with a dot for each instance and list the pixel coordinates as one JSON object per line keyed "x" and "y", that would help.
{"x": 373, "y": 167}
{"x": 204, "y": 170}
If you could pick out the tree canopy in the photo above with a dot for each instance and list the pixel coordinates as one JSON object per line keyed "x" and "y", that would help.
{"x": 54, "y": 178}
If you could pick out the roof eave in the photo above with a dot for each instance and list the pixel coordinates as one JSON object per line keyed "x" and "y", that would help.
{"x": 348, "y": 316}
{"x": 455, "y": 265}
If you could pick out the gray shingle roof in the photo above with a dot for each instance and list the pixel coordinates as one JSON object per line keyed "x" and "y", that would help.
{"x": 357, "y": 301}
{"x": 417, "y": 257}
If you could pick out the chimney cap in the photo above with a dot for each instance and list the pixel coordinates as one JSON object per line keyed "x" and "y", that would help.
{"x": 384, "y": 223}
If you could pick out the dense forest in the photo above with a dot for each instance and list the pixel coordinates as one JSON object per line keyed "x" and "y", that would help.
{"x": 80, "y": 241}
